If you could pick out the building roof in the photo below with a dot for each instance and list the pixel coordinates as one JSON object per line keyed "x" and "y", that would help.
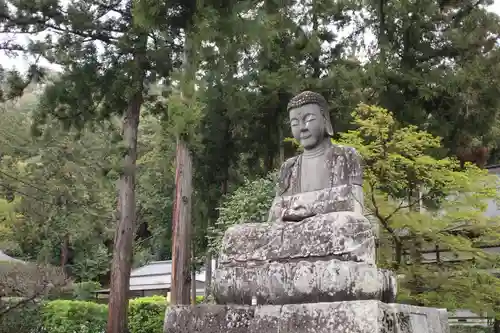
{"x": 156, "y": 275}
{"x": 492, "y": 166}
{"x": 153, "y": 268}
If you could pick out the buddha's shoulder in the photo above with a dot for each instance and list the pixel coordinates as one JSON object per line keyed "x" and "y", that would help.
{"x": 348, "y": 151}
{"x": 289, "y": 163}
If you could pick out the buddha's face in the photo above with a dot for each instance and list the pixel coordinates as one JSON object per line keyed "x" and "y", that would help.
{"x": 308, "y": 125}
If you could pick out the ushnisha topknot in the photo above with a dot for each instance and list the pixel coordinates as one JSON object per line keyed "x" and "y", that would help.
{"x": 307, "y": 97}
{"x": 310, "y": 97}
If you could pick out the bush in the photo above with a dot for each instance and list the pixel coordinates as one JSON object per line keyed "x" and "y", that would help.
{"x": 21, "y": 319}
{"x": 248, "y": 203}
{"x": 146, "y": 314}
{"x": 65, "y": 316}
{"x": 470, "y": 329}
{"x": 84, "y": 291}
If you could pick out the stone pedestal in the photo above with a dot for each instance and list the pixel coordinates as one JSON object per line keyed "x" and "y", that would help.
{"x": 313, "y": 276}
{"x": 303, "y": 282}
{"x": 337, "y": 317}
{"x": 324, "y": 258}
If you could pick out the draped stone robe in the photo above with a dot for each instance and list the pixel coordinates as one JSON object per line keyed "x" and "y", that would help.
{"x": 342, "y": 189}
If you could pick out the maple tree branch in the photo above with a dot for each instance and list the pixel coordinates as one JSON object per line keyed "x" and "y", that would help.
{"x": 378, "y": 215}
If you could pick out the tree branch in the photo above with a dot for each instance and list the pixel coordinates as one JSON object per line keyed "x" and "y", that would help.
{"x": 401, "y": 206}
{"x": 44, "y": 22}
{"x": 378, "y": 215}
{"x": 18, "y": 304}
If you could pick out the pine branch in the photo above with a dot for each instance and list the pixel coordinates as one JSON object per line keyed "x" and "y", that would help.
{"x": 26, "y": 22}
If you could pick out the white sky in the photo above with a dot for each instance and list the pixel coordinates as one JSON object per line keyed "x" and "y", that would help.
{"x": 22, "y": 62}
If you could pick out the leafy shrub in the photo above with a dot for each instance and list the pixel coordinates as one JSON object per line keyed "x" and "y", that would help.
{"x": 470, "y": 329}
{"x": 84, "y": 291}
{"x": 65, "y": 316}
{"x": 20, "y": 319}
{"x": 146, "y": 314}
{"x": 248, "y": 203}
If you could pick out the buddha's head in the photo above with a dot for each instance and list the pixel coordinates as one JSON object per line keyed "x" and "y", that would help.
{"x": 309, "y": 119}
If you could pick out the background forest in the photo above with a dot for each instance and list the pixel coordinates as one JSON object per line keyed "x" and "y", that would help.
{"x": 130, "y": 82}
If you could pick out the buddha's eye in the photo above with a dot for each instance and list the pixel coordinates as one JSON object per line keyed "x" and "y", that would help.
{"x": 309, "y": 117}
{"x": 294, "y": 122}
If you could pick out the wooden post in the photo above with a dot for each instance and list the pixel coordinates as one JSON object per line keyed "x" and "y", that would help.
{"x": 181, "y": 250}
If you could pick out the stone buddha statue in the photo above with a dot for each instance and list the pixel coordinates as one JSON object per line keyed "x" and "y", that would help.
{"x": 316, "y": 245}
{"x": 312, "y": 267}
{"x": 325, "y": 177}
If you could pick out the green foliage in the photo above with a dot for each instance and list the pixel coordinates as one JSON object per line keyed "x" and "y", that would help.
{"x": 422, "y": 200}
{"x": 147, "y": 314}
{"x": 8, "y": 219}
{"x": 63, "y": 316}
{"x": 470, "y": 329}
{"x": 155, "y": 190}
{"x": 84, "y": 291}
{"x": 437, "y": 68}
{"x": 63, "y": 191}
{"x": 432, "y": 80}
{"x": 63, "y": 186}
{"x": 248, "y": 203}
{"x": 21, "y": 319}
{"x": 184, "y": 115}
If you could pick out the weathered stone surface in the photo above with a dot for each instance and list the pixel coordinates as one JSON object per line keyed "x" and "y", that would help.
{"x": 208, "y": 319}
{"x": 326, "y": 165}
{"x": 303, "y": 205}
{"x": 342, "y": 235}
{"x": 338, "y": 317}
{"x": 390, "y": 285}
{"x": 302, "y": 282}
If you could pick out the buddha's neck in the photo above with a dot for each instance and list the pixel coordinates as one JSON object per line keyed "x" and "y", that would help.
{"x": 318, "y": 150}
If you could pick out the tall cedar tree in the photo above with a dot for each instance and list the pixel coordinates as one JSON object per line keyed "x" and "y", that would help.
{"x": 154, "y": 16}
{"x": 438, "y": 68}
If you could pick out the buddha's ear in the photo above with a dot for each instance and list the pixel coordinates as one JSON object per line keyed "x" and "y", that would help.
{"x": 328, "y": 123}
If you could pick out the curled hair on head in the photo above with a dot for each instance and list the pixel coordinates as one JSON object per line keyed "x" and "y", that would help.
{"x": 310, "y": 97}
